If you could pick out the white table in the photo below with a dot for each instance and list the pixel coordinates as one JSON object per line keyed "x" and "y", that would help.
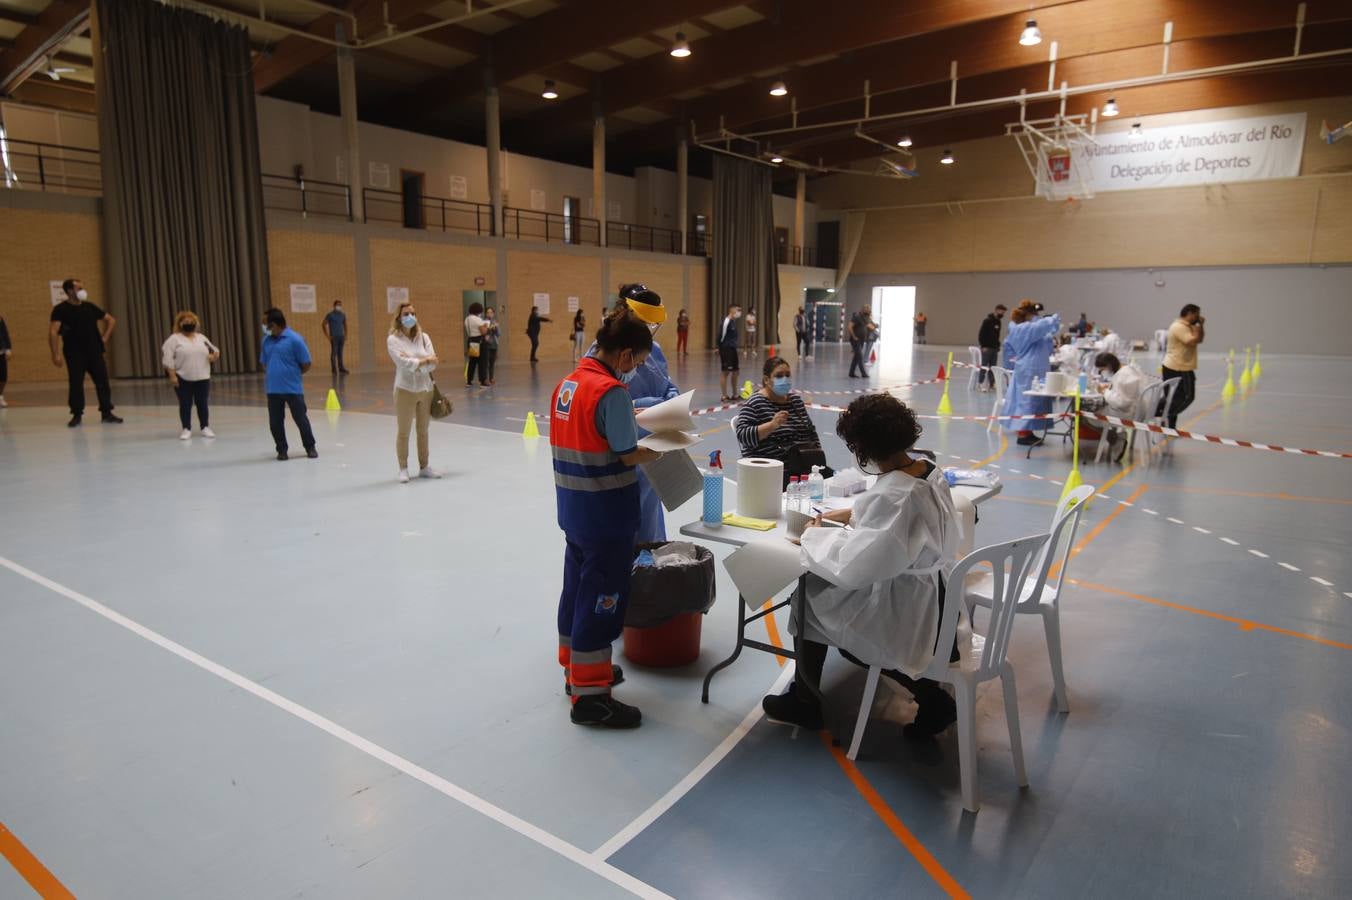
{"x": 1069, "y": 397}
{"x": 740, "y": 537}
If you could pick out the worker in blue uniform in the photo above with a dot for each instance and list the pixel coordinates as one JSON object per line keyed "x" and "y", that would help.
{"x": 650, "y": 386}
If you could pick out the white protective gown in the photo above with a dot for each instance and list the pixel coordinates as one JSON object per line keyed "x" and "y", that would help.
{"x": 876, "y": 587}
{"x": 1124, "y": 393}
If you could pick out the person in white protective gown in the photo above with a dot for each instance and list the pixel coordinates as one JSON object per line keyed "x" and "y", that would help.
{"x": 875, "y": 590}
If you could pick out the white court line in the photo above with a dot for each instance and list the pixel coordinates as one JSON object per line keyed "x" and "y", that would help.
{"x": 1125, "y": 503}
{"x": 1200, "y": 530}
{"x": 1175, "y": 521}
{"x": 1288, "y": 567}
{"x": 393, "y": 760}
{"x": 683, "y": 787}
{"x": 1317, "y": 580}
{"x": 1347, "y": 594}
{"x": 1259, "y": 553}
{"x": 1016, "y": 471}
{"x": 1230, "y": 542}
{"x": 1149, "y": 512}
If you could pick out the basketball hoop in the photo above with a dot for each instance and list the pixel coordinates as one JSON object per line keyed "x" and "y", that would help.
{"x": 1053, "y": 150}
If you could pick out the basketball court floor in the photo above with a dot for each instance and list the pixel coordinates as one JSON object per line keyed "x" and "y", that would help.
{"x": 226, "y": 676}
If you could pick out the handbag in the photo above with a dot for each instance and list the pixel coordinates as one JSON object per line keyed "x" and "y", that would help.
{"x": 803, "y": 456}
{"x": 474, "y": 349}
{"x": 441, "y": 406}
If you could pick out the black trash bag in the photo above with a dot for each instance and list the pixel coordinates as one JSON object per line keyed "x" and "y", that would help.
{"x": 680, "y": 581}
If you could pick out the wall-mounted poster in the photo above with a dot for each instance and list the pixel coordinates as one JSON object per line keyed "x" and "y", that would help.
{"x": 340, "y": 167}
{"x": 459, "y": 187}
{"x": 613, "y": 210}
{"x": 380, "y": 175}
{"x": 537, "y": 199}
{"x": 395, "y": 297}
{"x": 303, "y": 298}
{"x": 574, "y": 304}
{"x": 58, "y": 293}
{"x": 541, "y": 301}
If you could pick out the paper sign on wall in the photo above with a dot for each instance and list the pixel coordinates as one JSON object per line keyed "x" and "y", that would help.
{"x": 574, "y": 304}
{"x": 542, "y": 301}
{"x": 459, "y": 187}
{"x": 613, "y": 210}
{"x": 380, "y": 175}
{"x": 537, "y": 199}
{"x": 58, "y": 293}
{"x": 303, "y": 298}
{"x": 395, "y": 297}
{"x": 340, "y": 166}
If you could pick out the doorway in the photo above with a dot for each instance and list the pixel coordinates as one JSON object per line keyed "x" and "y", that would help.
{"x": 487, "y": 299}
{"x": 411, "y": 186}
{"x": 894, "y": 313}
{"x": 572, "y": 211}
{"x": 782, "y": 246}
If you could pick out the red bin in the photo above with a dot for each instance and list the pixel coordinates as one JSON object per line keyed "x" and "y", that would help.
{"x": 673, "y": 643}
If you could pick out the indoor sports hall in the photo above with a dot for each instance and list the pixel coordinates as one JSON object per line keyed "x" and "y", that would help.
{"x": 342, "y": 345}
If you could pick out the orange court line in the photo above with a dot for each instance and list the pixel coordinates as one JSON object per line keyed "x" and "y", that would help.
{"x": 1242, "y": 624}
{"x": 894, "y": 824}
{"x": 28, "y": 866}
{"x": 772, "y": 629}
{"x": 1098, "y": 529}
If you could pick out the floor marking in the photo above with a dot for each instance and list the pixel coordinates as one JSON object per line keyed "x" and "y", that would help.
{"x": 1243, "y": 624}
{"x": 1126, "y": 503}
{"x": 1288, "y": 567}
{"x": 772, "y": 631}
{"x": 1230, "y": 542}
{"x": 1016, "y": 471}
{"x": 1150, "y": 512}
{"x": 1175, "y": 521}
{"x": 1347, "y": 594}
{"x": 1200, "y": 530}
{"x": 30, "y": 868}
{"x": 1317, "y": 580}
{"x": 393, "y": 760}
{"x": 683, "y": 787}
{"x": 1095, "y": 532}
{"x": 1261, "y": 496}
{"x": 1259, "y": 553}
{"x": 894, "y": 824}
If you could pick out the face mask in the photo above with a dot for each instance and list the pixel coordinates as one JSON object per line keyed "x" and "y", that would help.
{"x": 782, "y": 386}
{"x": 626, "y": 377}
{"x": 266, "y": 332}
{"x": 82, "y": 295}
{"x": 189, "y": 327}
{"x": 409, "y": 321}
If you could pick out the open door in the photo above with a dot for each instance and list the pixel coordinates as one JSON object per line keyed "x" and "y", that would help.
{"x": 411, "y": 186}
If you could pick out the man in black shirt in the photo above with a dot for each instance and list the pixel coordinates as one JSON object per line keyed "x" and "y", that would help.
{"x": 989, "y": 342}
{"x": 77, "y": 335}
{"x": 862, "y": 331}
{"x": 727, "y": 354}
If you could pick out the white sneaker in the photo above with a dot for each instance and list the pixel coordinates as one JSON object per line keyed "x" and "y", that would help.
{"x": 184, "y": 435}
{"x": 3, "y": 404}
{"x": 208, "y": 433}
{"x": 428, "y": 473}
{"x": 403, "y": 476}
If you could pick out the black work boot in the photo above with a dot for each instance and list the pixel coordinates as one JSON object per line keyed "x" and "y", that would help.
{"x": 605, "y": 711}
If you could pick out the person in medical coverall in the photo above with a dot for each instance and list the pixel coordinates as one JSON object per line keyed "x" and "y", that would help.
{"x": 593, "y": 439}
{"x": 1030, "y": 345}
{"x": 875, "y": 590}
{"x": 651, "y": 385}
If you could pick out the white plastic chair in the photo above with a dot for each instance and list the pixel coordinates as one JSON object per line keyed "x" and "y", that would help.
{"x": 1011, "y": 564}
{"x": 1151, "y": 399}
{"x": 1162, "y": 340}
{"x": 976, "y": 368}
{"x": 1002, "y": 378}
{"x": 1040, "y": 597}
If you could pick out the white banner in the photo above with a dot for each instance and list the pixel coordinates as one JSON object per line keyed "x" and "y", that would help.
{"x": 1198, "y": 153}
{"x": 395, "y": 297}
{"x": 303, "y": 298}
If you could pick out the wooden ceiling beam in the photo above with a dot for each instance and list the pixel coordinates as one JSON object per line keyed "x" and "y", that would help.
{"x": 54, "y": 25}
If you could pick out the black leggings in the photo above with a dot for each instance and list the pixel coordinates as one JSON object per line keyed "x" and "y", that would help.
{"x": 190, "y": 393}
{"x": 490, "y": 363}
{"x": 477, "y": 364}
{"x": 1184, "y": 394}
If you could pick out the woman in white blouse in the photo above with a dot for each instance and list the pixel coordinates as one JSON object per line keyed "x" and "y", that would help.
{"x": 411, "y": 350}
{"x": 187, "y": 356}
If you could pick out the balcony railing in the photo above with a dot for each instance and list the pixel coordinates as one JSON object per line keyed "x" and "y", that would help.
{"x": 535, "y": 225}
{"x": 799, "y": 256}
{"x": 432, "y": 213}
{"x": 307, "y": 196}
{"x": 28, "y": 165}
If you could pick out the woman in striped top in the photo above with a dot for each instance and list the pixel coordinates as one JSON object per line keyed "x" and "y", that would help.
{"x": 774, "y": 423}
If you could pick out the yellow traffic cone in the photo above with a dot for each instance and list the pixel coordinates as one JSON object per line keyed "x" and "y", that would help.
{"x": 331, "y": 404}
{"x": 1228, "y": 392}
{"x": 1073, "y": 480}
{"x": 748, "y": 389}
{"x": 946, "y": 405}
{"x": 531, "y": 430}
{"x": 1245, "y": 377}
{"x": 1257, "y": 363}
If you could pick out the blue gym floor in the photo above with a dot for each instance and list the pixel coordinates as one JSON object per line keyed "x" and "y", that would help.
{"x": 226, "y": 676}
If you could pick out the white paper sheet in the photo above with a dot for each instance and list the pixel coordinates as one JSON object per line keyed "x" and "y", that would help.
{"x": 669, "y": 415}
{"x": 674, "y": 478}
{"x": 669, "y": 440}
{"x": 762, "y": 569}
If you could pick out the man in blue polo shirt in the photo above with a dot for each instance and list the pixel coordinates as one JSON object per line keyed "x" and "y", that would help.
{"x": 285, "y": 357}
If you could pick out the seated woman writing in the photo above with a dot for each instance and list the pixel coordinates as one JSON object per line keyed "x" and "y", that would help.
{"x": 876, "y": 589}
{"x": 773, "y": 424}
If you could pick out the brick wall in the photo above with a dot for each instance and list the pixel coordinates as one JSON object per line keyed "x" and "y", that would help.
{"x": 561, "y": 276}
{"x": 39, "y": 247}
{"x": 326, "y": 261}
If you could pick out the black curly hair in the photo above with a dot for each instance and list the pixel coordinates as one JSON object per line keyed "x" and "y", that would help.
{"x": 877, "y": 426}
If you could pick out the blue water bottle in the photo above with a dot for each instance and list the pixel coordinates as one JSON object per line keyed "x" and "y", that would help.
{"x": 713, "y": 490}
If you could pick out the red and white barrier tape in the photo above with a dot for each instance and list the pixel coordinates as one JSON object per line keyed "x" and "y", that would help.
{"x": 1211, "y": 438}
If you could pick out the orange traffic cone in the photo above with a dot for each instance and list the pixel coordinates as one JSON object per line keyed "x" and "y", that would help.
{"x": 772, "y": 349}
{"x": 941, "y": 376}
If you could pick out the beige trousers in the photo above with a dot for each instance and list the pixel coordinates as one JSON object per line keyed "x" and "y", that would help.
{"x": 407, "y": 406}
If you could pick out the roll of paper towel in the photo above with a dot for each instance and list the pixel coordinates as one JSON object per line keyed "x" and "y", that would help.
{"x": 759, "y": 487}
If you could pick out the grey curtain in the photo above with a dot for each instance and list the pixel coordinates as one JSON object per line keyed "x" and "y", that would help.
{"x": 183, "y": 224}
{"x": 744, "y": 269}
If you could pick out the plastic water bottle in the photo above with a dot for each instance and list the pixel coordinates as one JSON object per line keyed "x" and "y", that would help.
{"x": 795, "y": 494}
{"x": 816, "y": 485}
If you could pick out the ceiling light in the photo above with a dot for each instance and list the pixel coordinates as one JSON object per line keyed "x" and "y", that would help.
{"x": 680, "y": 49}
{"x": 1032, "y": 35}
{"x": 776, "y": 158}
{"x": 905, "y": 141}
{"x": 1136, "y": 128}
{"x": 778, "y": 89}
{"x": 1110, "y": 108}
{"x": 549, "y": 92}
{"x": 947, "y": 158}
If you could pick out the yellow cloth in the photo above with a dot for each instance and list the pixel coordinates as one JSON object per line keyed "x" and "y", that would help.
{"x": 748, "y": 522}
{"x": 1180, "y": 356}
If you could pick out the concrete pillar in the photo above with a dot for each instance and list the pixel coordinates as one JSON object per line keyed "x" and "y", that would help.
{"x": 599, "y": 171}
{"x": 683, "y": 192}
{"x": 493, "y": 129}
{"x": 347, "y": 108}
{"x": 799, "y": 210}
